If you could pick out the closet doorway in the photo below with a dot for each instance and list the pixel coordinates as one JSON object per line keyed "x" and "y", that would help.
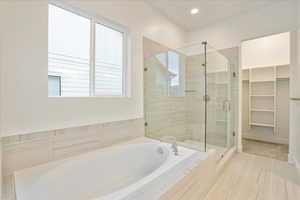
{"x": 265, "y": 96}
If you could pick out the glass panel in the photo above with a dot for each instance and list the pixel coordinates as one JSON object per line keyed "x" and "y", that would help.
{"x": 162, "y": 58}
{"x": 176, "y": 67}
{"x": 109, "y": 62}
{"x": 195, "y": 92}
{"x": 68, "y": 56}
{"x": 219, "y": 127}
{"x": 164, "y": 111}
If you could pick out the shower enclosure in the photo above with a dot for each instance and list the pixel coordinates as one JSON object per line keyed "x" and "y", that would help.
{"x": 187, "y": 95}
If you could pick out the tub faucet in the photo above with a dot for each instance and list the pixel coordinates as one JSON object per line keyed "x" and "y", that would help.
{"x": 175, "y": 148}
{"x": 172, "y": 140}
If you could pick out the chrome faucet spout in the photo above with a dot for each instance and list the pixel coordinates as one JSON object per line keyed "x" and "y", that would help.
{"x": 173, "y": 141}
{"x": 175, "y": 148}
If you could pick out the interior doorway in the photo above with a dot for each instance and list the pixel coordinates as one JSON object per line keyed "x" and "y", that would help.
{"x": 265, "y": 96}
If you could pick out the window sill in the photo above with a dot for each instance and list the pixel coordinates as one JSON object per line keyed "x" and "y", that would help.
{"x": 90, "y": 97}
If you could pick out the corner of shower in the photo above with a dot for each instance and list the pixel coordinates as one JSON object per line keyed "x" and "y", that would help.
{"x": 187, "y": 95}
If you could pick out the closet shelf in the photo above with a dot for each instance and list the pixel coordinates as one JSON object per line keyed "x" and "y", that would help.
{"x": 283, "y": 78}
{"x": 261, "y": 110}
{"x": 261, "y": 81}
{"x": 263, "y": 95}
{"x": 261, "y": 124}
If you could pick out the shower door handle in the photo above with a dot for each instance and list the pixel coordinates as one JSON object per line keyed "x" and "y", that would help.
{"x": 206, "y": 98}
{"x": 226, "y": 106}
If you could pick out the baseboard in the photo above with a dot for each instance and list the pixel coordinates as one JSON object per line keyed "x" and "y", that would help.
{"x": 294, "y": 161}
{"x": 226, "y": 158}
{"x": 291, "y": 159}
{"x": 297, "y": 164}
{"x": 272, "y": 140}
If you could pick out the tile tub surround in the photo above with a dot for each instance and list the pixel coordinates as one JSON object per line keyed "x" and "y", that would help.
{"x": 24, "y": 151}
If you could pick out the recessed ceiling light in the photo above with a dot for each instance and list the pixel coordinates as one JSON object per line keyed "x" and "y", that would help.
{"x": 194, "y": 11}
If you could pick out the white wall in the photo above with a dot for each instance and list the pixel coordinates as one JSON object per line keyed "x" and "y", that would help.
{"x": 25, "y": 106}
{"x": 295, "y": 73}
{"x": 277, "y": 18}
{"x": 266, "y": 51}
{"x": 295, "y": 92}
{"x": 1, "y": 65}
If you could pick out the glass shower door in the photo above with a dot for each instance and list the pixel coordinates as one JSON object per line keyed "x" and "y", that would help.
{"x": 218, "y": 102}
{"x": 186, "y": 99}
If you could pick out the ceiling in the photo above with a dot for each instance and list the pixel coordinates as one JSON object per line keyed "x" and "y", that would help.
{"x": 210, "y": 11}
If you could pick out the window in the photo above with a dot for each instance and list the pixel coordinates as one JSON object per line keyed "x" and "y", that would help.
{"x": 109, "y": 61}
{"x": 87, "y": 53}
{"x": 54, "y": 85}
{"x": 173, "y": 62}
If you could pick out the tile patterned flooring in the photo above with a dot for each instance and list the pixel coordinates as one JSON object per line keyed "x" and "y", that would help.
{"x": 251, "y": 177}
{"x": 270, "y": 150}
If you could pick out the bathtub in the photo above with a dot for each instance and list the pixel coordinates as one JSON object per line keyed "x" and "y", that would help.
{"x": 140, "y": 170}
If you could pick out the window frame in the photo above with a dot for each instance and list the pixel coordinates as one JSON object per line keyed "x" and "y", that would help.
{"x": 96, "y": 19}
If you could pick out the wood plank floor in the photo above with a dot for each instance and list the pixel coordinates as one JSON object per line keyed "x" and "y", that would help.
{"x": 251, "y": 177}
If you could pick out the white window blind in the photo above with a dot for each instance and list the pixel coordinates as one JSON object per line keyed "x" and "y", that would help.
{"x": 73, "y": 38}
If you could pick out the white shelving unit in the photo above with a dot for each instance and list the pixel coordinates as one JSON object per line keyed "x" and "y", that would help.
{"x": 263, "y": 93}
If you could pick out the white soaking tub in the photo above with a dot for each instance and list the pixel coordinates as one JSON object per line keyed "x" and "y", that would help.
{"x": 142, "y": 170}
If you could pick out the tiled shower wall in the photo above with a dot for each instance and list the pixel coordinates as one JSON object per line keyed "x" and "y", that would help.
{"x": 23, "y": 151}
